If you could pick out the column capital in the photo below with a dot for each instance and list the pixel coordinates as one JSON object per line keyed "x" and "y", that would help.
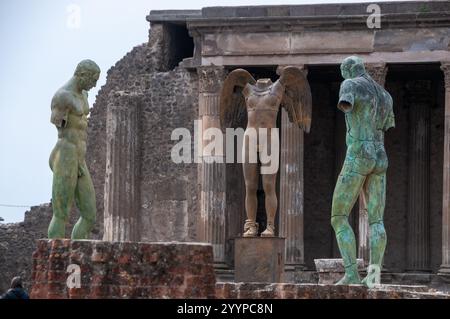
{"x": 445, "y": 67}
{"x": 210, "y": 78}
{"x": 377, "y": 71}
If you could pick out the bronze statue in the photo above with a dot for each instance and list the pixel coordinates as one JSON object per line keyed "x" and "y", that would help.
{"x": 262, "y": 99}
{"x": 368, "y": 114}
{"x": 71, "y": 178}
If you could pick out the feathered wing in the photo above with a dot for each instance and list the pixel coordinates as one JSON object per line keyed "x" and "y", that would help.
{"x": 297, "y": 99}
{"x": 232, "y": 102}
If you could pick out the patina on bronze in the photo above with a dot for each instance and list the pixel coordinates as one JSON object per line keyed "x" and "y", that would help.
{"x": 369, "y": 114}
{"x": 262, "y": 100}
{"x": 71, "y": 178}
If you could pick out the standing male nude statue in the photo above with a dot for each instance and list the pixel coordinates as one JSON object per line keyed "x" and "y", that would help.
{"x": 368, "y": 114}
{"x": 262, "y": 100}
{"x": 71, "y": 178}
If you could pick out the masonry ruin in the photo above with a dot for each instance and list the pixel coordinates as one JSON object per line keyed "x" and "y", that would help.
{"x": 175, "y": 78}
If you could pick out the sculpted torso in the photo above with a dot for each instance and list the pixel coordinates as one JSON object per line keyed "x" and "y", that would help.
{"x": 263, "y": 102}
{"x": 69, "y": 114}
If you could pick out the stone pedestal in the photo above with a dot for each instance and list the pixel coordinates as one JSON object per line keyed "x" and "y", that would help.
{"x": 259, "y": 259}
{"x": 97, "y": 269}
{"x": 331, "y": 270}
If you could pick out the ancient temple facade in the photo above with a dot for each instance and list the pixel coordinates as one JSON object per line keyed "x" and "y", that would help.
{"x": 176, "y": 78}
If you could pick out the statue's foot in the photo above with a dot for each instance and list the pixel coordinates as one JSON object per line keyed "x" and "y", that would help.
{"x": 351, "y": 276}
{"x": 269, "y": 232}
{"x": 348, "y": 280}
{"x": 373, "y": 277}
{"x": 250, "y": 228}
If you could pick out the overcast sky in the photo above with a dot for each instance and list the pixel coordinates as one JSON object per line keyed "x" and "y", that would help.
{"x": 40, "y": 47}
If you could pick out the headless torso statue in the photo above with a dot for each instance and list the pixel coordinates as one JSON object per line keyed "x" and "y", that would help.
{"x": 262, "y": 100}
{"x": 368, "y": 114}
{"x": 71, "y": 178}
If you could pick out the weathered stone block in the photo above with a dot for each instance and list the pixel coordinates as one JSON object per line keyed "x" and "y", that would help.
{"x": 259, "y": 259}
{"x": 314, "y": 291}
{"x": 331, "y": 270}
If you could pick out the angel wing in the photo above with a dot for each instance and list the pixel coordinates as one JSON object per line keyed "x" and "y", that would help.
{"x": 232, "y": 102}
{"x": 297, "y": 99}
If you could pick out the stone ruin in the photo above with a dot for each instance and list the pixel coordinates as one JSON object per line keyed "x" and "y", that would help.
{"x": 173, "y": 79}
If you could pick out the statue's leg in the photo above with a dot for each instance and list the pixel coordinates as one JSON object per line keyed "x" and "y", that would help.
{"x": 251, "y": 186}
{"x": 85, "y": 200}
{"x": 375, "y": 192}
{"x": 269, "y": 185}
{"x": 65, "y": 171}
{"x": 346, "y": 192}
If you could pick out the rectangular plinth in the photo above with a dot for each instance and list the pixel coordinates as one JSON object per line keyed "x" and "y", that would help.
{"x": 259, "y": 259}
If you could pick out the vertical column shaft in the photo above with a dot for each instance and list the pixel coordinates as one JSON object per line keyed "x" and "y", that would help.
{"x": 291, "y": 189}
{"x": 445, "y": 266}
{"x": 212, "y": 199}
{"x": 418, "y": 218}
{"x": 122, "y": 191}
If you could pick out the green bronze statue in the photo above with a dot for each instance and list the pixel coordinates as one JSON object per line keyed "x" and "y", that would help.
{"x": 71, "y": 178}
{"x": 369, "y": 113}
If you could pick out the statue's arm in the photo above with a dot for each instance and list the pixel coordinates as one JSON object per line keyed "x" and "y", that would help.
{"x": 60, "y": 110}
{"x": 346, "y": 96}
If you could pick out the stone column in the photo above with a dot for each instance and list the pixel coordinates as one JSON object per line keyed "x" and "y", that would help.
{"x": 378, "y": 72}
{"x": 445, "y": 266}
{"x": 291, "y": 190}
{"x": 418, "y": 218}
{"x": 122, "y": 188}
{"x": 212, "y": 166}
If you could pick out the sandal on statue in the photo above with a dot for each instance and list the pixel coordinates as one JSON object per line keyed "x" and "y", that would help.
{"x": 250, "y": 228}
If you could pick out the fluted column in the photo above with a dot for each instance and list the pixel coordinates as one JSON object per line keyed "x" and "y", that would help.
{"x": 445, "y": 266}
{"x": 212, "y": 166}
{"x": 122, "y": 191}
{"x": 291, "y": 190}
{"x": 418, "y": 218}
{"x": 378, "y": 72}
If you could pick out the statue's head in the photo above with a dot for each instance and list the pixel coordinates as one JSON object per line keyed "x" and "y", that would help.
{"x": 87, "y": 73}
{"x": 352, "y": 67}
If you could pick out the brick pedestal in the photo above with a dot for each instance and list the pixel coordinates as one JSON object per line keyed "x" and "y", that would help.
{"x": 259, "y": 259}
{"x": 122, "y": 270}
